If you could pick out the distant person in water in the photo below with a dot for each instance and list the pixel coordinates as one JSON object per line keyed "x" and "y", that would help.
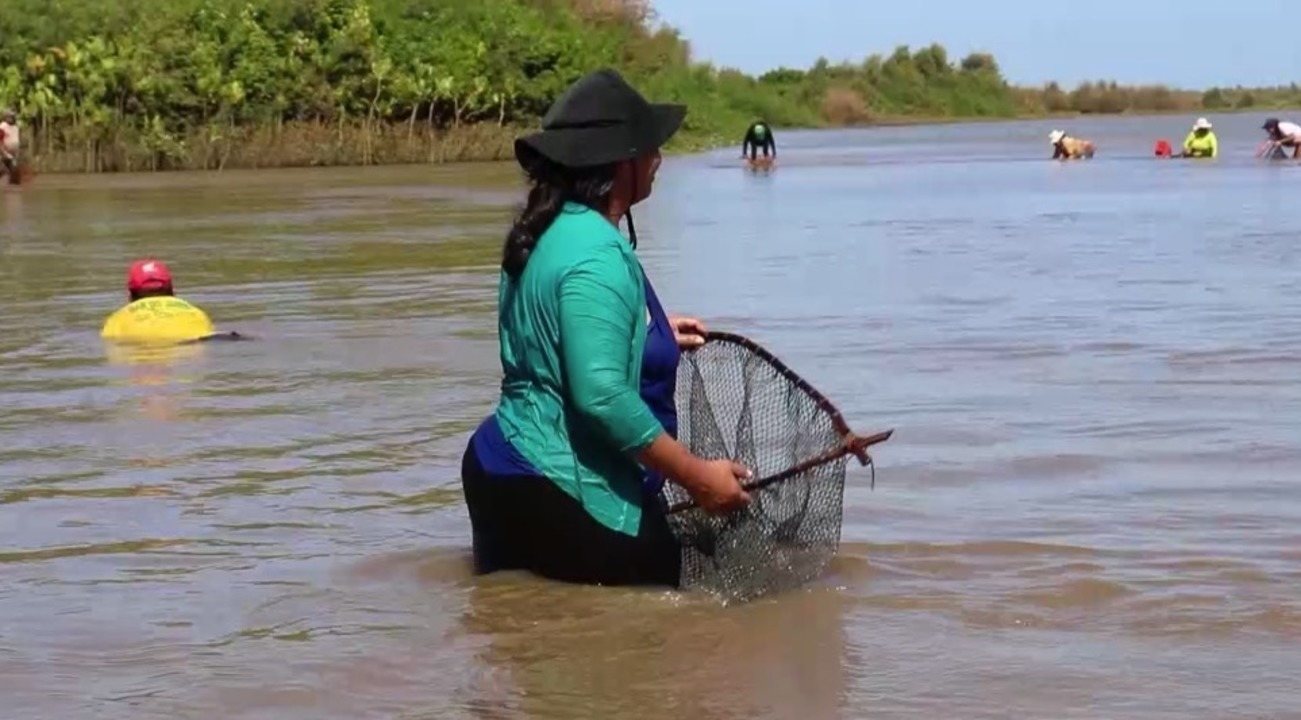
{"x": 10, "y": 145}
{"x": 154, "y": 313}
{"x": 758, "y": 137}
{"x": 1066, "y": 147}
{"x": 1201, "y": 141}
{"x": 1284, "y": 134}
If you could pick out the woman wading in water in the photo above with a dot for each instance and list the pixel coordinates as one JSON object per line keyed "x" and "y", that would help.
{"x": 561, "y": 479}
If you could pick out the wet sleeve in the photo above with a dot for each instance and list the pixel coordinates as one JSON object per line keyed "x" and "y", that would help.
{"x": 1188, "y": 143}
{"x": 1215, "y": 146}
{"x": 598, "y": 310}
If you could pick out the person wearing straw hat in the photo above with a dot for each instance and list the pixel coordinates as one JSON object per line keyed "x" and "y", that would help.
{"x": 1201, "y": 141}
{"x": 555, "y": 478}
{"x": 1066, "y": 147}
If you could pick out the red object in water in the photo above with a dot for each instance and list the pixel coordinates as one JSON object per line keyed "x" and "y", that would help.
{"x": 1163, "y": 148}
{"x": 148, "y": 275}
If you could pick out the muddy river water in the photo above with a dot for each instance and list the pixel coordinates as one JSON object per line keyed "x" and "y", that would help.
{"x": 1090, "y": 509}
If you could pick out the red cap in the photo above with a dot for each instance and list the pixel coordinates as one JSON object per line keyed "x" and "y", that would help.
{"x": 148, "y": 275}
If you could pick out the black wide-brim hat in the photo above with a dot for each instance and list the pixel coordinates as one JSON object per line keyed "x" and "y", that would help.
{"x": 600, "y": 120}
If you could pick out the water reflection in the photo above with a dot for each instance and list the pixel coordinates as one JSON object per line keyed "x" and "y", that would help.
{"x": 160, "y": 373}
{"x": 12, "y": 219}
{"x": 596, "y": 653}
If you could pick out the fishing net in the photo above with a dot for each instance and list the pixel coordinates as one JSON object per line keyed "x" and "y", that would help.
{"x": 736, "y": 401}
{"x": 1271, "y": 150}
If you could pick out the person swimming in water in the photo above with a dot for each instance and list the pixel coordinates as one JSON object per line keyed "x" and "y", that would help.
{"x": 154, "y": 313}
{"x": 1066, "y": 147}
{"x": 1284, "y": 134}
{"x": 759, "y": 137}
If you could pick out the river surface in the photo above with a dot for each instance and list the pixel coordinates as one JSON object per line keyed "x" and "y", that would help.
{"x": 1091, "y": 507}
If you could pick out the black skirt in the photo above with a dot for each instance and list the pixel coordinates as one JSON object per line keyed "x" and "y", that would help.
{"x": 526, "y": 522}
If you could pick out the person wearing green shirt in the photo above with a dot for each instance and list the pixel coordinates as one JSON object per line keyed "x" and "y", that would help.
{"x": 556, "y": 478}
{"x": 1201, "y": 141}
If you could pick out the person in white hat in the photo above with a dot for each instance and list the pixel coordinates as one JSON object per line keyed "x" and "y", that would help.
{"x": 1066, "y": 147}
{"x": 1201, "y": 141}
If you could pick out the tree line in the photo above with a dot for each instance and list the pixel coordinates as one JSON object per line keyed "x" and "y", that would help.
{"x": 155, "y": 84}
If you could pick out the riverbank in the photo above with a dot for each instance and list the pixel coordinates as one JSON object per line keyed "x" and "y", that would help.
{"x": 301, "y": 144}
{"x": 904, "y": 121}
{"x": 130, "y": 85}
{"x": 309, "y": 144}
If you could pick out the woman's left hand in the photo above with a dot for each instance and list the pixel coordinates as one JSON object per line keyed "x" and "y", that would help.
{"x": 688, "y": 331}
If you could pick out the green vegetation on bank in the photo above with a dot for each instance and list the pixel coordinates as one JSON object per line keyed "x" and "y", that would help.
{"x": 924, "y": 83}
{"x": 1108, "y": 97}
{"x": 106, "y": 85}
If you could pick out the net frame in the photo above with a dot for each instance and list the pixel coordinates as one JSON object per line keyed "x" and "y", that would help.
{"x": 791, "y": 529}
{"x": 851, "y": 443}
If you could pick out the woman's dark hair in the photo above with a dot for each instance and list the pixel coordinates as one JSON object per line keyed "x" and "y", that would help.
{"x": 552, "y": 185}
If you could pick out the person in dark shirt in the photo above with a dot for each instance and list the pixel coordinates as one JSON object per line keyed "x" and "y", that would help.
{"x": 759, "y": 137}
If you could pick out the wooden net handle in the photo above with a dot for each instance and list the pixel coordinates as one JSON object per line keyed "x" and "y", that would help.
{"x": 852, "y": 444}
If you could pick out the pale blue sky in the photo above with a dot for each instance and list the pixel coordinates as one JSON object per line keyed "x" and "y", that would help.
{"x": 1193, "y": 43}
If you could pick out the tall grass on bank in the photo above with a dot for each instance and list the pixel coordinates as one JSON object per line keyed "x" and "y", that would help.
{"x": 294, "y": 144}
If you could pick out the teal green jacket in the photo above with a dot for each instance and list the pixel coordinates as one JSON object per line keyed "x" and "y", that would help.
{"x": 572, "y": 330}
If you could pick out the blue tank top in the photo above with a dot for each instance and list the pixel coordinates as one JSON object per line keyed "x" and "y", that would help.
{"x": 659, "y": 374}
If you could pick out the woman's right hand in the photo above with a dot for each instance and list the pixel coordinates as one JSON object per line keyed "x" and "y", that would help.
{"x": 717, "y": 487}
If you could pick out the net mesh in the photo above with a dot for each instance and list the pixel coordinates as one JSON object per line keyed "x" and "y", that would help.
{"x": 737, "y": 402}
